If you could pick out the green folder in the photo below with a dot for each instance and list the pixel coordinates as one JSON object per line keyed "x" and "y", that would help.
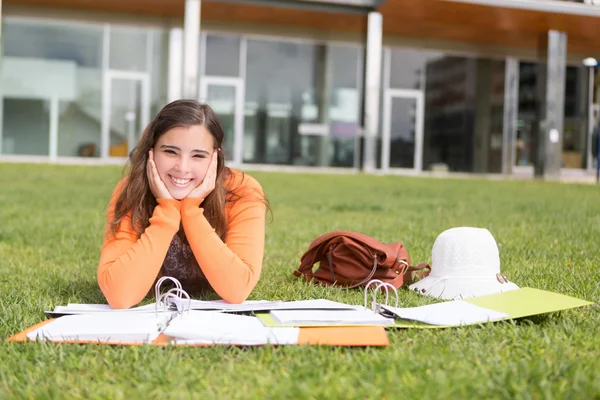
{"x": 523, "y": 302}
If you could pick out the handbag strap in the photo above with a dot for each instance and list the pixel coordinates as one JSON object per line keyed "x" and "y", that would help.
{"x": 368, "y": 278}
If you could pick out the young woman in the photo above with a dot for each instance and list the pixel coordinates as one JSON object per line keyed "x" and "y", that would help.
{"x": 180, "y": 212}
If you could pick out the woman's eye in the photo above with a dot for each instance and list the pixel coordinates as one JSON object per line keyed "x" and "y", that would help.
{"x": 170, "y": 151}
{"x": 199, "y": 156}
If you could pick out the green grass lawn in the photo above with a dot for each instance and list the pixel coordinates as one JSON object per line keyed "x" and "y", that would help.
{"x": 51, "y": 223}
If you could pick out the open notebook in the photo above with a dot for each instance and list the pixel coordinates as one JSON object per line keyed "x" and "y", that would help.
{"x": 170, "y": 316}
{"x": 205, "y": 327}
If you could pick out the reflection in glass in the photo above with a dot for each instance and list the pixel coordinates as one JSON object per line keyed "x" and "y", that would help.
{"x": 222, "y": 55}
{"x": 575, "y": 116}
{"x": 125, "y": 115}
{"x": 26, "y": 127}
{"x": 279, "y": 85}
{"x": 222, "y": 100}
{"x": 344, "y": 104}
{"x": 402, "y": 132}
{"x": 129, "y": 48}
{"x": 464, "y": 99}
{"x": 408, "y": 67}
{"x": 43, "y": 60}
{"x": 302, "y": 103}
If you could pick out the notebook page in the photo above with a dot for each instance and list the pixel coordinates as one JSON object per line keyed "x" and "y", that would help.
{"x": 319, "y": 304}
{"x": 249, "y": 305}
{"x": 212, "y": 327}
{"x": 94, "y": 308}
{"x": 104, "y": 327}
{"x": 450, "y": 313}
{"x": 361, "y": 316}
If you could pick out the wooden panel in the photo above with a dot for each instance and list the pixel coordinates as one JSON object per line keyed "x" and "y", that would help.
{"x": 483, "y": 24}
{"x": 427, "y": 19}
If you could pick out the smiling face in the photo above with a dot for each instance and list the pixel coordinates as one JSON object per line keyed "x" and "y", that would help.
{"x": 182, "y": 156}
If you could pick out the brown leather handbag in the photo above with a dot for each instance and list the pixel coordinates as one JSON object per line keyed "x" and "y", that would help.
{"x": 351, "y": 259}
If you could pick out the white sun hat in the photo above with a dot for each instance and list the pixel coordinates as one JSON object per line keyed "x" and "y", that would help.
{"x": 464, "y": 263}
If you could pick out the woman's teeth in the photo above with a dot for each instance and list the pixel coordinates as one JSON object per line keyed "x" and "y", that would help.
{"x": 180, "y": 182}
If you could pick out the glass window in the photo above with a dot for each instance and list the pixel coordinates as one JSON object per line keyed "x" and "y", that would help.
{"x": 26, "y": 127}
{"x": 44, "y": 60}
{"x": 408, "y": 67}
{"x": 575, "y": 122}
{"x": 344, "y": 103}
{"x": 159, "y": 70}
{"x": 222, "y": 55}
{"x": 463, "y": 112}
{"x": 129, "y": 48}
{"x": 575, "y": 115}
{"x": 302, "y": 103}
{"x": 280, "y": 95}
{"x": 527, "y": 119}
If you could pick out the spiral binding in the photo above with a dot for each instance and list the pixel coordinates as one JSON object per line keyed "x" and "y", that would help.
{"x": 376, "y": 306}
{"x": 172, "y": 300}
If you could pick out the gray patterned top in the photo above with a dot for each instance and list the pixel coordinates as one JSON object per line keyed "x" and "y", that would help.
{"x": 180, "y": 263}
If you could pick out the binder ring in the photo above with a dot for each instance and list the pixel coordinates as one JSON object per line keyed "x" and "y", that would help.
{"x": 387, "y": 292}
{"x": 375, "y": 306}
{"x": 367, "y": 289}
{"x": 171, "y": 298}
{"x": 159, "y": 283}
{"x": 177, "y": 295}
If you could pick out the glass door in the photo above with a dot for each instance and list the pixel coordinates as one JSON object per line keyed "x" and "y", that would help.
{"x": 126, "y": 112}
{"x": 402, "y": 136}
{"x": 225, "y": 97}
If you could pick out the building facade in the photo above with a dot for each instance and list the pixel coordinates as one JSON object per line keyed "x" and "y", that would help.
{"x": 396, "y": 85}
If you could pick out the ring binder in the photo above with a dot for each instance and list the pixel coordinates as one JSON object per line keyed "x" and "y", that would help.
{"x": 376, "y": 306}
{"x": 172, "y": 299}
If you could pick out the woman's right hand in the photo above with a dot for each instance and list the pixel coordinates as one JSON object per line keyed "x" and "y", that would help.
{"x": 157, "y": 186}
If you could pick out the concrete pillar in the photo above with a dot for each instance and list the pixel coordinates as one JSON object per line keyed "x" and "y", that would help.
{"x": 483, "y": 110}
{"x": 551, "y": 101}
{"x": 371, "y": 109}
{"x": 191, "y": 48}
{"x": 511, "y": 111}
{"x": 323, "y": 100}
{"x": 175, "y": 64}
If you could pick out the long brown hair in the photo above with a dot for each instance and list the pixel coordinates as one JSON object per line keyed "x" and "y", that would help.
{"x": 136, "y": 197}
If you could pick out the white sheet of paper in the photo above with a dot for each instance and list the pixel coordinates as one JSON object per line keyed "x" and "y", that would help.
{"x": 103, "y": 327}
{"x": 95, "y": 308}
{"x": 221, "y": 305}
{"x": 449, "y": 313}
{"x": 212, "y": 327}
{"x": 360, "y": 316}
{"x": 318, "y": 304}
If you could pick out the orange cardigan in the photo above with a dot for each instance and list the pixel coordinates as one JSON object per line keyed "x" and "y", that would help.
{"x": 129, "y": 265}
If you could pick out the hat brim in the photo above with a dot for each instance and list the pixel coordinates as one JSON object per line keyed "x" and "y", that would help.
{"x": 456, "y": 289}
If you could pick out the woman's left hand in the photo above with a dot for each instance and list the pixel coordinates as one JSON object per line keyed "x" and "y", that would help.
{"x": 208, "y": 183}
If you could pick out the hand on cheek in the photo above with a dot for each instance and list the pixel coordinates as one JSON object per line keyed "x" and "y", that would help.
{"x": 157, "y": 186}
{"x": 209, "y": 181}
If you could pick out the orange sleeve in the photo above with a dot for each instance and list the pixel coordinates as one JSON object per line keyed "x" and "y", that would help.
{"x": 232, "y": 268}
{"x": 129, "y": 265}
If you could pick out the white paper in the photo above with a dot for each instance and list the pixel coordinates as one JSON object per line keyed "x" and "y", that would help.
{"x": 220, "y": 305}
{"x": 210, "y": 327}
{"x": 319, "y": 304}
{"x": 103, "y": 327}
{"x": 361, "y": 316}
{"x": 96, "y": 308}
{"x": 449, "y": 313}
